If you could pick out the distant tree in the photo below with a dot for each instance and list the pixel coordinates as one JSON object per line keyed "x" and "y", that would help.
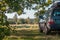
{"x": 28, "y": 20}
{"x": 15, "y": 18}
{"x": 36, "y": 20}
{"x": 22, "y": 21}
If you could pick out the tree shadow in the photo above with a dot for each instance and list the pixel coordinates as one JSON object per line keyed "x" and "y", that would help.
{"x": 33, "y": 35}
{"x": 26, "y": 33}
{"x": 29, "y": 34}
{"x": 54, "y": 33}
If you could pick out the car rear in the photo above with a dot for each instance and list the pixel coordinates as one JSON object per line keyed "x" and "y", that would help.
{"x": 54, "y": 21}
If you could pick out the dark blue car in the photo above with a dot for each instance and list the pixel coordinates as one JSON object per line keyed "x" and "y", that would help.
{"x": 50, "y": 20}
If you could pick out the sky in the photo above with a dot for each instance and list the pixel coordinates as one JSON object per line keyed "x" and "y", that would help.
{"x": 29, "y": 13}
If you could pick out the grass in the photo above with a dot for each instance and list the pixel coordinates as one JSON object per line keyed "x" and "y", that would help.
{"x": 31, "y": 38}
{"x": 31, "y": 35}
{"x": 22, "y": 26}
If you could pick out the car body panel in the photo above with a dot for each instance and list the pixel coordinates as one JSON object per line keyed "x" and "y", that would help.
{"x": 55, "y": 27}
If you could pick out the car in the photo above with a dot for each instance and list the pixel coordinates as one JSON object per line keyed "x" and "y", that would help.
{"x": 50, "y": 21}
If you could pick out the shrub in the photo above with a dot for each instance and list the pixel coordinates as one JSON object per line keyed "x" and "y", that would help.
{"x": 4, "y": 31}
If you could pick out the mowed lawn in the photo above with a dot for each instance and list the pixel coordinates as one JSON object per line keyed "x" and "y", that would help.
{"x": 28, "y": 32}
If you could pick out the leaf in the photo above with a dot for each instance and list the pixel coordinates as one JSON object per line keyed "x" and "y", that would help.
{"x": 49, "y": 1}
{"x": 19, "y": 12}
{"x": 3, "y": 8}
{"x": 0, "y": 2}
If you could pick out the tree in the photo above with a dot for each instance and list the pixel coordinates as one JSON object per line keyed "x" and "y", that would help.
{"x": 15, "y": 18}
{"x": 42, "y": 11}
{"x": 22, "y": 21}
{"x": 28, "y": 20}
{"x": 43, "y": 6}
{"x": 18, "y": 5}
{"x": 36, "y": 20}
{"x": 49, "y": 1}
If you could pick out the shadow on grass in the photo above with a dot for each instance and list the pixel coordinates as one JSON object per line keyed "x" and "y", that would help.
{"x": 27, "y": 33}
{"x": 32, "y": 35}
{"x": 54, "y": 33}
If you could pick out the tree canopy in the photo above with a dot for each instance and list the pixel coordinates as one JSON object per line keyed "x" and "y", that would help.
{"x": 43, "y": 6}
{"x": 19, "y": 5}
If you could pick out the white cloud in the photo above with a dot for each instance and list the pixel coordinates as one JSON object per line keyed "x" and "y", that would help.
{"x": 10, "y": 15}
{"x": 29, "y": 13}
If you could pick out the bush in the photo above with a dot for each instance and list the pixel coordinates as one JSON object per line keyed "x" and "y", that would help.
{"x": 4, "y": 31}
{"x": 7, "y": 31}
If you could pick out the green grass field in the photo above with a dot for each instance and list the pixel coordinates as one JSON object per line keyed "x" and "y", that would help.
{"x": 30, "y": 34}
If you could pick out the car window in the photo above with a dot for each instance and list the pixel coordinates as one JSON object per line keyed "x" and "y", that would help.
{"x": 56, "y": 12}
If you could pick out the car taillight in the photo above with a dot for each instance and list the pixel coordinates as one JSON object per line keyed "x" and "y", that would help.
{"x": 51, "y": 21}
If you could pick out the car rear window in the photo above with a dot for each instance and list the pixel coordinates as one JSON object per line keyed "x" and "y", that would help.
{"x": 56, "y": 12}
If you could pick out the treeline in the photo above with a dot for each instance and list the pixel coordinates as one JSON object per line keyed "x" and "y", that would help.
{"x": 23, "y": 21}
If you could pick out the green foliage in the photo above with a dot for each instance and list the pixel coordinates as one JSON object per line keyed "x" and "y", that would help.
{"x": 43, "y": 6}
{"x": 49, "y": 1}
{"x": 2, "y": 6}
{"x": 36, "y": 20}
{"x": 4, "y": 31}
{"x": 7, "y": 31}
{"x": 3, "y": 19}
{"x": 19, "y": 5}
{"x": 28, "y": 20}
{"x": 40, "y": 12}
{"x": 22, "y": 21}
